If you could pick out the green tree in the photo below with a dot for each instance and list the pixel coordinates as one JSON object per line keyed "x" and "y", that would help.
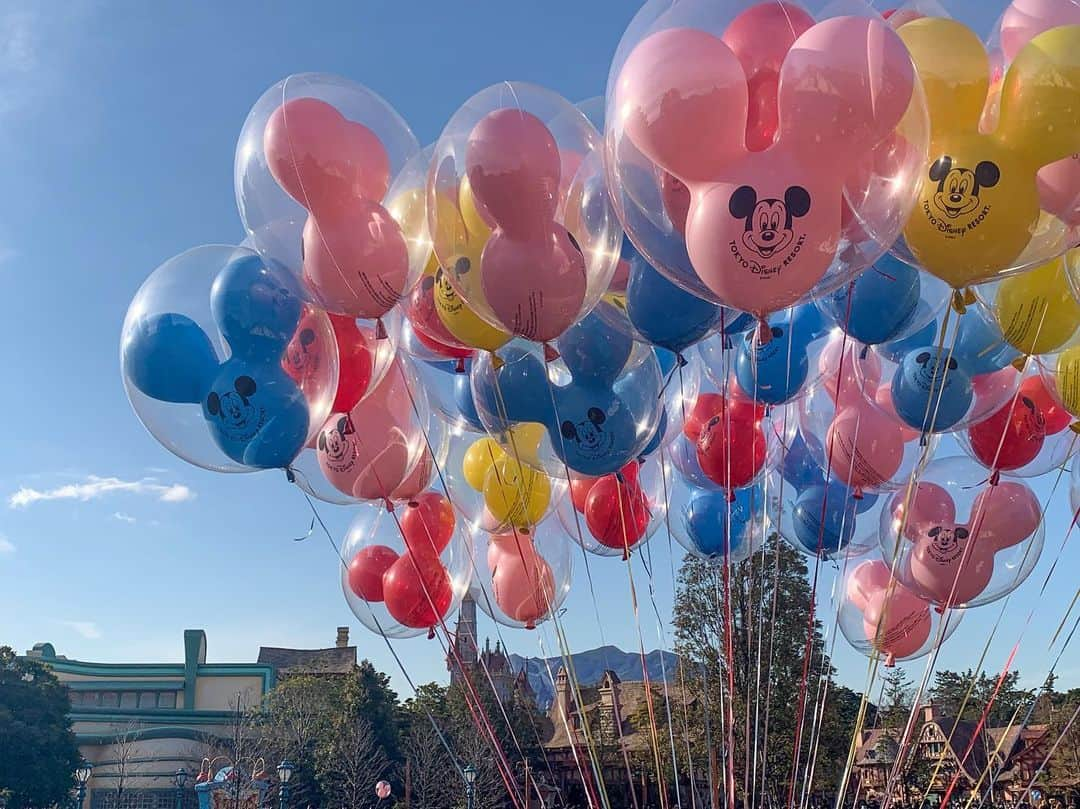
{"x": 38, "y": 754}
{"x": 964, "y": 695}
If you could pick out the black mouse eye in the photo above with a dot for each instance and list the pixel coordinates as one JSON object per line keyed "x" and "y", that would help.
{"x": 462, "y": 266}
{"x": 776, "y": 331}
{"x": 574, "y": 242}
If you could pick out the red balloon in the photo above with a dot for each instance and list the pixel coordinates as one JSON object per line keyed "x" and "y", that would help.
{"x": 731, "y": 449}
{"x": 304, "y": 356}
{"x": 579, "y": 491}
{"x": 354, "y": 363}
{"x": 427, "y": 524}
{"x": 1011, "y": 437}
{"x": 617, "y": 512}
{"x": 708, "y": 405}
{"x": 1057, "y": 418}
{"x": 367, "y": 568}
{"x": 417, "y": 591}
{"x": 427, "y": 325}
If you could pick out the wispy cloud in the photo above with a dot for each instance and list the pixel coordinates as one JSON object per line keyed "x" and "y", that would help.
{"x": 120, "y": 515}
{"x": 6, "y": 545}
{"x": 88, "y": 629}
{"x": 94, "y": 488}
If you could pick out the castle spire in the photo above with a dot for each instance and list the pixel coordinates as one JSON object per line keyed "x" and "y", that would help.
{"x": 464, "y": 638}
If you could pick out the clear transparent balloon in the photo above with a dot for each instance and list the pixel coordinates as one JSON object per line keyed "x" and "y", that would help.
{"x": 542, "y": 201}
{"x": 325, "y": 181}
{"x": 179, "y": 294}
{"x": 892, "y": 631}
{"x": 614, "y": 523}
{"x": 880, "y": 178}
{"x": 857, "y": 531}
{"x": 546, "y": 394}
{"x": 537, "y": 570}
{"x": 964, "y": 542}
{"x": 375, "y": 526}
{"x": 712, "y": 527}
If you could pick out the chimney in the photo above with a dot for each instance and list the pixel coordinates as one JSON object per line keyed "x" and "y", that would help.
{"x": 929, "y": 712}
{"x": 342, "y": 637}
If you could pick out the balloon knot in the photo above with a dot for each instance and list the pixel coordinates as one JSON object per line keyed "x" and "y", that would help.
{"x": 550, "y": 353}
{"x": 460, "y": 367}
{"x": 890, "y": 661}
{"x": 924, "y": 439}
{"x": 864, "y": 352}
{"x": 1020, "y": 363}
{"x": 995, "y": 478}
{"x": 857, "y": 493}
{"x": 1075, "y": 427}
{"x": 380, "y": 330}
{"x": 389, "y": 504}
{"x": 530, "y": 625}
{"x": 969, "y": 296}
{"x": 497, "y": 362}
{"x": 958, "y": 304}
{"x": 619, "y": 477}
{"x": 625, "y": 553}
{"x": 290, "y": 475}
{"x": 729, "y": 495}
{"x": 430, "y": 632}
{"x": 680, "y": 359}
{"x": 764, "y": 333}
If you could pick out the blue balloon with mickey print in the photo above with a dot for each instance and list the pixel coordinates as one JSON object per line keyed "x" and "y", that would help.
{"x": 256, "y": 413}
{"x": 774, "y": 372}
{"x": 931, "y": 391}
{"x": 600, "y": 405}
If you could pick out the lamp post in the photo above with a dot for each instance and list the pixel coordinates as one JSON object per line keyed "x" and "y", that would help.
{"x": 180, "y": 779}
{"x": 470, "y": 781}
{"x": 284, "y": 774}
{"x": 82, "y": 776}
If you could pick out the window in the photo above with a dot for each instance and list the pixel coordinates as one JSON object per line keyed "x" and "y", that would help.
{"x": 110, "y": 699}
{"x": 129, "y": 699}
{"x": 167, "y": 699}
{"x": 148, "y": 699}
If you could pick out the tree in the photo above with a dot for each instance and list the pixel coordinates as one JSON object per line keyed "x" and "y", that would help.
{"x": 124, "y": 754}
{"x": 964, "y": 695}
{"x": 351, "y": 763}
{"x": 38, "y": 754}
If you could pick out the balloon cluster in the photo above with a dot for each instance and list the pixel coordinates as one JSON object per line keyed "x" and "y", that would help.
{"x": 794, "y": 257}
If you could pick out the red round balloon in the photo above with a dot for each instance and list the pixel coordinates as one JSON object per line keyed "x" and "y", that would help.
{"x": 354, "y": 363}
{"x": 1057, "y": 418}
{"x": 579, "y": 491}
{"x": 417, "y": 591}
{"x": 427, "y": 524}
{"x": 1011, "y": 437}
{"x": 731, "y": 448}
{"x": 617, "y": 512}
{"x": 427, "y": 325}
{"x": 367, "y": 568}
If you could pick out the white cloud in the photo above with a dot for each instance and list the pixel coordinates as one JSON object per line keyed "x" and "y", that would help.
{"x": 6, "y": 545}
{"x": 95, "y": 487}
{"x": 88, "y": 629}
{"x": 120, "y": 515}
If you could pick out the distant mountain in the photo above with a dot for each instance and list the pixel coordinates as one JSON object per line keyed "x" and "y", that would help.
{"x": 589, "y": 667}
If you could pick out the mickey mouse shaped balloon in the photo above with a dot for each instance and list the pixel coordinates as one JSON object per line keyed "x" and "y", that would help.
{"x": 964, "y": 542}
{"x": 253, "y": 413}
{"x": 314, "y": 167}
{"x": 539, "y": 242}
{"x": 979, "y": 204}
{"x": 600, "y": 401}
{"x": 764, "y": 126}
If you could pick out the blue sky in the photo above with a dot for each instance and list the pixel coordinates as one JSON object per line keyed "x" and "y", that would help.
{"x": 117, "y": 128}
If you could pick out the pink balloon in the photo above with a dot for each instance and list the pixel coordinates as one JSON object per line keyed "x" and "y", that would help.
{"x": 845, "y": 381}
{"x": 535, "y": 288}
{"x": 930, "y": 505}
{"x": 1006, "y": 514}
{"x": 1024, "y": 20}
{"x": 1059, "y": 189}
{"x": 355, "y": 259}
{"x": 371, "y": 452}
{"x": 513, "y": 166}
{"x": 522, "y": 581}
{"x": 382, "y": 790}
{"x": 763, "y": 227}
{"x": 761, "y": 37}
{"x": 321, "y": 159}
{"x": 895, "y": 620}
{"x": 864, "y": 447}
{"x": 866, "y": 580}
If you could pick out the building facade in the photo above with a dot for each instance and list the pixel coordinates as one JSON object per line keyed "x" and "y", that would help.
{"x": 138, "y": 723}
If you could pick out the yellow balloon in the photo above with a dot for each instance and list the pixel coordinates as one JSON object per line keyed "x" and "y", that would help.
{"x": 474, "y": 222}
{"x": 516, "y": 494}
{"x": 1068, "y": 379}
{"x": 461, "y": 321}
{"x": 978, "y": 203}
{"x": 479, "y": 458}
{"x": 524, "y": 440}
{"x": 1036, "y": 309}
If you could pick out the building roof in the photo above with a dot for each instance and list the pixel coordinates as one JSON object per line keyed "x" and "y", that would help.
{"x": 335, "y": 660}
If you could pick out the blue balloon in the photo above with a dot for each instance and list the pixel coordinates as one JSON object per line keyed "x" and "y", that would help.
{"x": 807, "y": 324}
{"x": 593, "y": 349}
{"x": 664, "y": 314}
{"x": 896, "y": 350}
{"x": 715, "y": 526}
{"x": 931, "y": 391}
{"x": 799, "y": 467}
{"x": 824, "y": 519}
{"x": 879, "y": 303}
{"x": 595, "y": 433}
{"x": 463, "y": 398}
{"x": 775, "y": 372}
{"x": 168, "y": 357}
{"x": 980, "y": 346}
{"x": 257, "y": 414}
{"x": 658, "y": 435}
{"x": 256, "y": 307}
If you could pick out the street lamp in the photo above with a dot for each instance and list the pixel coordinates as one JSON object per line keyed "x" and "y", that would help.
{"x": 284, "y": 774}
{"x": 82, "y": 776}
{"x": 180, "y": 779}
{"x": 470, "y": 780}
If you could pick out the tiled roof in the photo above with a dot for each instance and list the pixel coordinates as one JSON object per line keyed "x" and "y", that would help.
{"x": 335, "y": 660}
